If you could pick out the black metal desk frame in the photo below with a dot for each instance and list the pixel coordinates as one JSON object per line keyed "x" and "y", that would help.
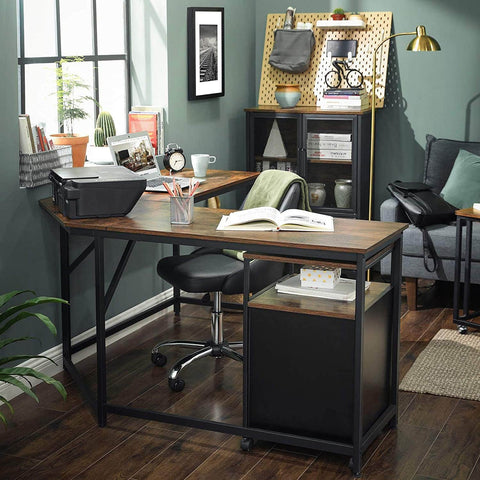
{"x": 464, "y": 320}
{"x": 360, "y": 262}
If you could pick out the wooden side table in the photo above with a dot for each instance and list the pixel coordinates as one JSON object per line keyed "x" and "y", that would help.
{"x": 465, "y": 217}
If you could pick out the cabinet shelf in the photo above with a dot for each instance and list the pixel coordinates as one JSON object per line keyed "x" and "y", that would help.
{"x": 260, "y": 158}
{"x": 272, "y": 300}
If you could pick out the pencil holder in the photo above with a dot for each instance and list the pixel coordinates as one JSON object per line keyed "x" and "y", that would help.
{"x": 181, "y": 210}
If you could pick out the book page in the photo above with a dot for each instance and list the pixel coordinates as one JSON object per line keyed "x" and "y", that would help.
{"x": 292, "y": 217}
{"x": 268, "y": 214}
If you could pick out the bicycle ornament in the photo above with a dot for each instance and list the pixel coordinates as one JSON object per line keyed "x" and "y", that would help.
{"x": 353, "y": 77}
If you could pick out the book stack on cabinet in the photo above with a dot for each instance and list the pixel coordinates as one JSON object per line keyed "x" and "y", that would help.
{"x": 329, "y": 147}
{"x": 341, "y": 99}
{"x": 148, "y": 119}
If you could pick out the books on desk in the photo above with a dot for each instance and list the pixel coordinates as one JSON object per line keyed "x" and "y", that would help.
{"x": 270, "y": 219}
{"x": 343, "y": 290}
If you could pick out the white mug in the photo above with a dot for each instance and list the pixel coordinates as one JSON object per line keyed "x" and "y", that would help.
{"x": 200, "y": 163}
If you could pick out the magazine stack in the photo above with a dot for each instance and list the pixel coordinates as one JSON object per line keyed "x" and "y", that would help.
{"x": 350, "y": 99}
{"x": 333, "y": 147}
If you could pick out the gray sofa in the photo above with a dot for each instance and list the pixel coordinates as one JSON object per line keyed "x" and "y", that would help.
{"x": 440, "y": 155}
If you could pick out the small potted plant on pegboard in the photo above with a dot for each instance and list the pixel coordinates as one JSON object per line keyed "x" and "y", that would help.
{"x": 356, "y": 16}
{"x": 338, "y": 14}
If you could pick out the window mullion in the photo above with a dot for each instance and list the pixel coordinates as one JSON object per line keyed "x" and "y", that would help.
{"x": 96, "y": 85}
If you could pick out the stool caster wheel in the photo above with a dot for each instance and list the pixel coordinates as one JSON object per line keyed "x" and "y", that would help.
{"x": 158, "y": 359}
{"x": 176, "y": 385}
{"x": 246, "y": 444}
{"x": 462, "y": 329}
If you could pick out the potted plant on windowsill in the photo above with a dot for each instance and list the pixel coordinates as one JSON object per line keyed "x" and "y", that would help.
{"x": 338, "y": 14}
{"x": 18, "y": 376}
{"x": 70, "y": 107}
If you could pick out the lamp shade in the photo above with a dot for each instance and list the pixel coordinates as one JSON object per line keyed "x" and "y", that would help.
{"x": 422, "y": 42}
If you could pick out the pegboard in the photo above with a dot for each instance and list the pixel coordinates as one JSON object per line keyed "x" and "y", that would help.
{"x": 312, "y": 81}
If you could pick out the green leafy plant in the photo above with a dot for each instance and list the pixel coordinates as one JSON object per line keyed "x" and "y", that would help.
{"x": 18, "y": 376}
{"x": 70, "y": 99}
{"x": 339, "y": 11}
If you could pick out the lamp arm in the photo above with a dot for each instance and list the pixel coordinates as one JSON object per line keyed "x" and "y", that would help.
{"x": 372, "y": 136}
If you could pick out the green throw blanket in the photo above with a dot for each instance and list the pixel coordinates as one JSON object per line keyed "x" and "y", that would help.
{"x": 270, "y": 188}
{"x": 268, "y": 191}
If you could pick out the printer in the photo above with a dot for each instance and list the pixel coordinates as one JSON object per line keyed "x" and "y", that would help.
{"x": 83, "y": 192}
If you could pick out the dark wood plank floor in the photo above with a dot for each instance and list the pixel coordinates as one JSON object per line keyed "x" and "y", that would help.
{"x": 438, "y": 438}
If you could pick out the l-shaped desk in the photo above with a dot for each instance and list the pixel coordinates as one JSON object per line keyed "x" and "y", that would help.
{"x": 355, "y": 245}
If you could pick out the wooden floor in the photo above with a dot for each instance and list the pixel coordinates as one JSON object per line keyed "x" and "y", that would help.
{"x": 437, "y": 437}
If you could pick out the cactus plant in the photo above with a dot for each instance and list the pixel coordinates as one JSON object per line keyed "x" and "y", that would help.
{"x": 99, "y": 137}
{"x": 106, "y": 124}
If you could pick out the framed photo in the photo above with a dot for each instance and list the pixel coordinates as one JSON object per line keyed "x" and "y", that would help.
{"x": 206, "y": 59}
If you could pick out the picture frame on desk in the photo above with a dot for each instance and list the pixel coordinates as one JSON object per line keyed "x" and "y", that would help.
{"x": 206, "y": 56}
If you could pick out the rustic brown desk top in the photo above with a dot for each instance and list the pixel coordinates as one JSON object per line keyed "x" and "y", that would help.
{"x": 468, "y": 212}
{"x": 151, "y": 218}
{"x": 304, "y": 109}
{"x": 217, "y": 182}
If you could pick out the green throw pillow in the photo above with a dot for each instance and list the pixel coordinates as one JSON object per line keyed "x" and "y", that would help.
{"x": 462, "y": 189}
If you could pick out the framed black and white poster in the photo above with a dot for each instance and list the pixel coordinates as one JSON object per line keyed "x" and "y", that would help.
{"x": 206, "y": 76}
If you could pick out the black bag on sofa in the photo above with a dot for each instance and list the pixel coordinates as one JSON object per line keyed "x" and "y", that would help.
{"x": 423, "y": 207}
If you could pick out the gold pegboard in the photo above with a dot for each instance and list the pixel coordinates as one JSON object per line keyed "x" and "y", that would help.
{"x": 312, "y": 81}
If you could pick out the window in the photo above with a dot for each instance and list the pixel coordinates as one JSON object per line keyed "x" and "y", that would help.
{"x": 97, "y": 31}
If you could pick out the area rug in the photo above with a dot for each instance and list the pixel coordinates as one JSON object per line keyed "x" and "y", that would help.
{"x": 449, "y": 366}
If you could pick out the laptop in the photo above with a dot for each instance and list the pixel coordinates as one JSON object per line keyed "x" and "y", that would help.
{"x": 135, "y": 152}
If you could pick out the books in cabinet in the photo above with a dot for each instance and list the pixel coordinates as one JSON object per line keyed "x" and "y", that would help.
{"x": 330, "y": 154}
{"x": 270, "y": 219}
{"x": 316, "y": 144}
{"x": 344, "y": 290}
{"x": 335, "y": 137}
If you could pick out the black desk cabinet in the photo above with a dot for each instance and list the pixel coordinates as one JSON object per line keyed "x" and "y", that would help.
{"x": 298, "y": 150}
{"x": 301, "y": 380}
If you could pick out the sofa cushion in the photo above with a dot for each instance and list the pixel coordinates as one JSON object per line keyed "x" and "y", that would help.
{"x": 463, "y": 185}
{"x": 443, "y": 239}
{"x": 440, "y": 155}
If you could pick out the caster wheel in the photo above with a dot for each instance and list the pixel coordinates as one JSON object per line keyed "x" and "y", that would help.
{"x": 176, "y": 385}
{"x": 462, "y": 330}
{"x": 350, "y": 466}
{"x": 246, "y": 444}
{"x": 159, "y": 359}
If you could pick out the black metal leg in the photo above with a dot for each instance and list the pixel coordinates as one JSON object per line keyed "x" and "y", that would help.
{"x": 458, "y": 268}
{"x": 176, "y": 290}
{"x": 100, "y": 330}
{"x": 396, "y": 282}
{"x": 246, "y": 338}
{"x": 356, "y": 464}
{"x": 468, "y": 267}
{"x": 65, "y": 294}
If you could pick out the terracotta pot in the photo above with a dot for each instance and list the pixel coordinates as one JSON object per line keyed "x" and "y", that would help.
{"x": 78, "y": 144}
{"x": 288, "y": 95}
{"x": 337, "y": 16}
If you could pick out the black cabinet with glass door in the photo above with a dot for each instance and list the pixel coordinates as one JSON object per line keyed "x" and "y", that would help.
{"x": 330, "y": 150}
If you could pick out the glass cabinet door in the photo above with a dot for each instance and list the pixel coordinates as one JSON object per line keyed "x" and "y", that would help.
{"x": 273, "y": 143}
{"x": 330, "y": 164}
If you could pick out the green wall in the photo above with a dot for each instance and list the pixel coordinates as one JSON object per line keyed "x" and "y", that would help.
{"x": 437, "y": 93}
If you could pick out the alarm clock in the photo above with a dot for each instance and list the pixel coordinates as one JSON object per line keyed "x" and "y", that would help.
{"x": 173, "y": 159}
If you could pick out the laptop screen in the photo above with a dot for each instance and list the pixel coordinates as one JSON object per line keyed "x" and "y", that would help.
{"x": 133, "y": 151}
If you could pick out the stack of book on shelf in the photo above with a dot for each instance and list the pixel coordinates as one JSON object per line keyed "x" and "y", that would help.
{"x": 351, "y": 99}
{"x": 148, "y": 119}
{"x": 344, "y": 289}
{"x": 32, "y": 137}
{"x": 333, "y": 147}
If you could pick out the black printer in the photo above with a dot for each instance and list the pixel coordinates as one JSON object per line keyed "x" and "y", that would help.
{"x": 82, "y": 192}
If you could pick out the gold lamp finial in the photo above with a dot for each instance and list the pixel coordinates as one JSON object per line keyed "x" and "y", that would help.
{"x": 422, "y": 42}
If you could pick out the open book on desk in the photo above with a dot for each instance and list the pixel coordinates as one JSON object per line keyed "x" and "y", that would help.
{"x": 270, "y": 219}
